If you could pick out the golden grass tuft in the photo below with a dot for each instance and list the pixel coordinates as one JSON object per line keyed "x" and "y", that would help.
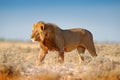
{"x": 45, "y": 76}
{"x": 9, "y": 73}
{"x": 112, "y": 75}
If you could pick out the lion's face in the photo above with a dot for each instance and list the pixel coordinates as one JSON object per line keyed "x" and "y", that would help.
{"x": 38, "y": 32}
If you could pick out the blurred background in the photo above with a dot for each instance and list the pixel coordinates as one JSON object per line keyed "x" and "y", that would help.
{"x": 101, "y": 17}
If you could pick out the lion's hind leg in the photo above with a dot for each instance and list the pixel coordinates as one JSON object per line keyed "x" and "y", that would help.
{"x": 81, "y": 50}
{"x": 91, "y": 49}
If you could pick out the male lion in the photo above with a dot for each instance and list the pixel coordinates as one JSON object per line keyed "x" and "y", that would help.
{"x": 51, "y": 37}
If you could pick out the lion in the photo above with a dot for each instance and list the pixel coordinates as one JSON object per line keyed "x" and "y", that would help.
{"x": 53, "y": 38}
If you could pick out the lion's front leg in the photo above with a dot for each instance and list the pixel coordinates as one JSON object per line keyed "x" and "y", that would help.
{"x": 41, "y": 56}
{"x": 61, "y": 57}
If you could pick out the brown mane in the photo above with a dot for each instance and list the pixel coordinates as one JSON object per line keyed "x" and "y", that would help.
{"x": 50, "y": 45}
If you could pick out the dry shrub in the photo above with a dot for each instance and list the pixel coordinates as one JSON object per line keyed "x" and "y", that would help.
{"x": 48, "y": 76}
{"x": 9, "y": 73}
{"x": 45, "y": 76}
{"x": 105, "y": 75}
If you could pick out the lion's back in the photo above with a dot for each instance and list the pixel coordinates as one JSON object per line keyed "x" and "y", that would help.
{"x": 73, "y": 34}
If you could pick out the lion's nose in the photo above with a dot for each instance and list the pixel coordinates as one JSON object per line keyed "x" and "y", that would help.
{"x": 33, "y": 40}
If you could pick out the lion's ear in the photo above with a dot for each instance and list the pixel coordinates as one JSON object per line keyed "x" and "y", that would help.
{"x": 42, "y": 27}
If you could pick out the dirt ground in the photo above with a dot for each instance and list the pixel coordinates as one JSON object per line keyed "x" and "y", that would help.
{"x": 17, "y": 62}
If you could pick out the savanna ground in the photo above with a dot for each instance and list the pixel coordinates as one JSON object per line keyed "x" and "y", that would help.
{"x": 17, "y": 62}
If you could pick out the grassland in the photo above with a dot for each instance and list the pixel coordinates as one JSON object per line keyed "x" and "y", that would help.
{"x": 17, "y": 62}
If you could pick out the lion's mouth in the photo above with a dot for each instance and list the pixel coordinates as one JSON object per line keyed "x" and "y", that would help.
{"x": 33, "y": 39}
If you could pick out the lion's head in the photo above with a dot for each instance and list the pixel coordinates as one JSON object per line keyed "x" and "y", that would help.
{"x": 42, "y": 31}
{"x": 38, "y": 33}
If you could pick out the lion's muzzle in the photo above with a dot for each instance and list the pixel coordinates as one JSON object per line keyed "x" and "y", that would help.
{"x": 33, "y": 39}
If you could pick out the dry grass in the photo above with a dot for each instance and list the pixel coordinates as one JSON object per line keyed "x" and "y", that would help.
{"x": 17, "y": 63}
{"x": 9, "y": 73}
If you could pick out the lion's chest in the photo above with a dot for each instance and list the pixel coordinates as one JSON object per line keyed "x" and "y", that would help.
{"x": 50, "y": 45}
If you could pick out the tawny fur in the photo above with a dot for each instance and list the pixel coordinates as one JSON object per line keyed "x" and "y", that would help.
{"x": 51, "y": 37}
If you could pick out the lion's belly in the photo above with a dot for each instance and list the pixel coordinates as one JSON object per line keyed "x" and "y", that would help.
{"x": 69, "y": 48}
